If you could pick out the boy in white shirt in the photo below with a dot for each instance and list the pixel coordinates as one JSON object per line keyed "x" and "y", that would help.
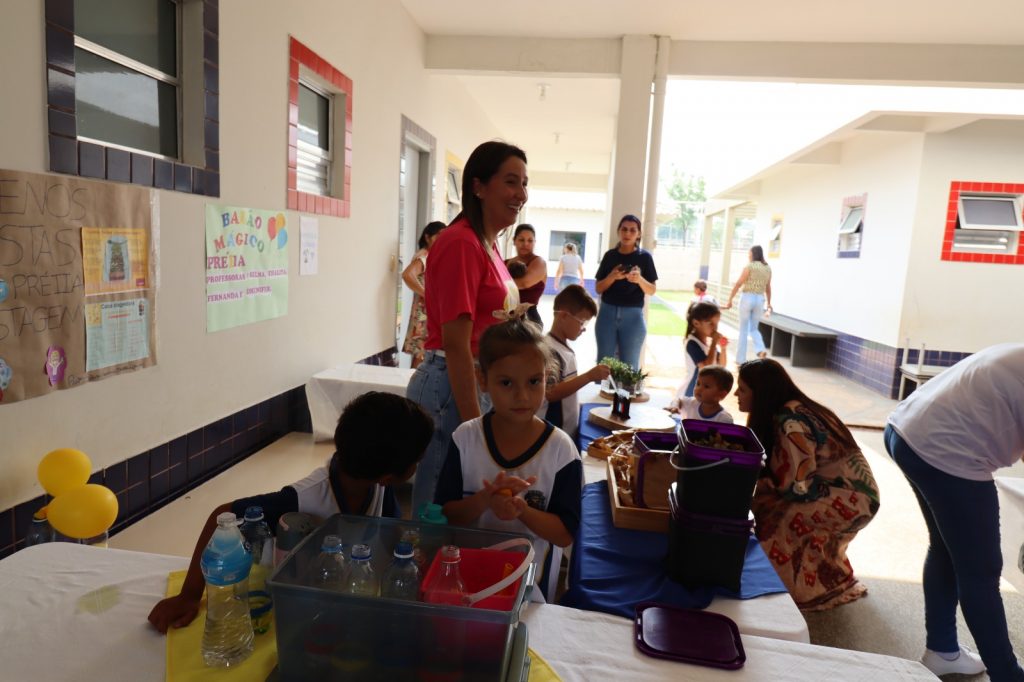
{"x": 574, "y": 308}
{"x": 700, "y": 293}
{"x": 713, "y": 384}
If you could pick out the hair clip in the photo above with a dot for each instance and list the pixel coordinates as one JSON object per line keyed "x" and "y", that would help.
{"x": 517, "y": 313}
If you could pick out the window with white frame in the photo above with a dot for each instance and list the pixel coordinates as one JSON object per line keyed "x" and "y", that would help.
{"x": 987, "y": 223}
{"x": 127, "y": 66}
{"x": 850, "y": 229}
{"x": 315, "y": 148}
{"x": 775, "y": 237}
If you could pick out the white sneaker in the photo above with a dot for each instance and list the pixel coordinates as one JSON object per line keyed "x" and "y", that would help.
{"x": 967, "y": 663}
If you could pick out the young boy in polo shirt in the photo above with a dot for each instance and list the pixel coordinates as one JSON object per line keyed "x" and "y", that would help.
{"x": 379, "y": 440}
{"x": 574, "y": 308}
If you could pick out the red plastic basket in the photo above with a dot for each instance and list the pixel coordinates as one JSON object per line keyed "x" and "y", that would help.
{"x": 480, "y": 569}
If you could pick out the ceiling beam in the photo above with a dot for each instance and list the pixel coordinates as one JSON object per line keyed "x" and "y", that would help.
{"x": 907, "y": 64}
{"x": 888, "y": 63}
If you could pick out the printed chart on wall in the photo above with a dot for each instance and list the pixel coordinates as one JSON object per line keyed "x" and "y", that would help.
{"x": 76, "y": 282}
{"x": 246, "y": 266}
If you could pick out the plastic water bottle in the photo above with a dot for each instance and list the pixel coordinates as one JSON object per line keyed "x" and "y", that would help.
{"x": 360, "y": 579}
{"x": 228, "y": 637}
{"x": 412, "y": 536}
{"x": 433, "y": 513}
{"x": 256, "y": 534}
{"x": 40, "y": 530}
{"x": 329, "y": 569}
{"x": 258, "y": 542}
{"x": 402, "y": 579}
{"x": 447, "y": 587}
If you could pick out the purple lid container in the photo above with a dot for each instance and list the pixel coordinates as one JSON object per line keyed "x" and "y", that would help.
{"x": 688, "y": 636}
{"x": 691, "y": 430}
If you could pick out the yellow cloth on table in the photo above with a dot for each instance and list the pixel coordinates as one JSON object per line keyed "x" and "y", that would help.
{"x": 540, "y": 671}
{"x": 185, "y": 658}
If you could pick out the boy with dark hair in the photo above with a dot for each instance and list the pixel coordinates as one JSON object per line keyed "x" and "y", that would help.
{"x": 379, "y": 439}
{"x": 713, "y": 384}
{"x": 700, "y": 293}
{"x": 573, "y": 309}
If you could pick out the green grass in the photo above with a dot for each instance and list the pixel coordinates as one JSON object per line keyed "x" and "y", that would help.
{"x": 662, "y": 321}
{"x": 676, "y": 296}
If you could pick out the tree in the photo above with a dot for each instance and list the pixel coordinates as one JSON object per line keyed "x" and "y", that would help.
{"x": 688, "y": 193}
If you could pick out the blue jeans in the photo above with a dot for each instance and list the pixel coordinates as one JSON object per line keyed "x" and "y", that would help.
{"x": 751, "y": 311}
{"x": 566, "y": 280}
{"x": 963, "y": 561}
{"x": 432, "y": 390}
{"x": 620, "y": 332}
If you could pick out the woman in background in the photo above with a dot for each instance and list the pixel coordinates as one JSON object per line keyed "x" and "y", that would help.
{"x": 756, "y": 299}
{"x": 416, "y": 332}
{"x": 816, "y": 492}
{"x": 625, "y": 277}
{"x": 570, "y": 268}
{"x": 528, "y": 270}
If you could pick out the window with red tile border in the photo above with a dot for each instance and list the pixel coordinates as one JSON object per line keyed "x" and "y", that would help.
{"x": 300, "y": 55}
{"x": 955, "y": 188}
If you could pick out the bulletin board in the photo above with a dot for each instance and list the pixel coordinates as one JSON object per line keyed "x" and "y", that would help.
{"x": 77, "y": 282}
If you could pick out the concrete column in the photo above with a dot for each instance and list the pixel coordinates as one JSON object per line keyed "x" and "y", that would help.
{"x": 629, "y": 164}
{"x": 705, "y": 246}
{"x": 654, "y": 152}
{"x": 730, "y": 228}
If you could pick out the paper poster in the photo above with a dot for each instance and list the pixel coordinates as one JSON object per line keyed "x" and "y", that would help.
{"x": 246, "y": 266}
{"x": 309, "y": 239}
{"x": 116, "y": 332}
{"x": 114, "y": 260}
{"x": 43, "y": 288}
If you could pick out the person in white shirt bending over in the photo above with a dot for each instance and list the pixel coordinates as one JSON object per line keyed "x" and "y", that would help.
{"x": 713, "y": 383}
{"x": 948, "y": 437}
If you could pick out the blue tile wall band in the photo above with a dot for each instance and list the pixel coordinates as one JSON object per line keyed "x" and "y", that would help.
{"x": 149, "y": 480}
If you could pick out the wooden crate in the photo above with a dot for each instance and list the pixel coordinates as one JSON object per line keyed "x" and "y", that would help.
{"x": 633, "y": 518}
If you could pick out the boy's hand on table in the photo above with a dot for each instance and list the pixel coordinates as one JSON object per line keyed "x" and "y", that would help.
{"x": 177, "y": 611}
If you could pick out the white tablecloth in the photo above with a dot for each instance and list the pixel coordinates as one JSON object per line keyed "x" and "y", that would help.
{"x": 582, "y": 646}
{"x": 70, "y": 613}
{"x": 1011, "y": 527}
{"x": 331, "y": 390}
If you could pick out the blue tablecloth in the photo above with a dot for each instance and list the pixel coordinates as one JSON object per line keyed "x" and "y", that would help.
{"x": 612, "y": 569}
{"x": 589, "y": 432}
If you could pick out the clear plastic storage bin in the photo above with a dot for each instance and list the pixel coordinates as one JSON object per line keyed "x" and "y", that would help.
{"x": 327, "y": 635}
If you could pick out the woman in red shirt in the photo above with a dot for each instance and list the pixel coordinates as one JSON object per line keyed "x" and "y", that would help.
{"x": 468, "y": 288}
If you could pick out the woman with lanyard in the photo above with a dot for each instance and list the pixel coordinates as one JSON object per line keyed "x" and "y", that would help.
{"x": 529, "y": 271}
{"x": 756, "y": 280}
{"x": 468, "y": 289}
{"x": 626, "y": 275}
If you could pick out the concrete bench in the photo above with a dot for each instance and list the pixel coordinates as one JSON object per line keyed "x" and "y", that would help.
{"x": 805, "y": 344}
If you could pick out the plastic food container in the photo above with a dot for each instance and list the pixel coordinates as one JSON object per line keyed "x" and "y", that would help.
{"x": 706, "y": 550}
{"x": 717, "y": 481}
{"x": 327, "y": 635}
{"x": 653, "y": 470}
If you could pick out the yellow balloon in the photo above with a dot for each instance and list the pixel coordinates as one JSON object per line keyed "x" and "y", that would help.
{"x": 83, "y": 512}
{"x": 64, "y": 469}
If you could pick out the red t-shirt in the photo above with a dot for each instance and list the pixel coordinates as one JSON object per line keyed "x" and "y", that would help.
{"x": 462, "y": 278}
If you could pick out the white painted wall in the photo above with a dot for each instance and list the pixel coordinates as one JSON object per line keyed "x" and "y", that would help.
{"x": 955, "y": 306}
{"x": 593, "y": 223}
{"x": 858, "y": 296}
{"x": 202, "y": 377}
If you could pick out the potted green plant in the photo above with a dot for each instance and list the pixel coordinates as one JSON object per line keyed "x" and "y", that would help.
{"x": 624, "y": 376}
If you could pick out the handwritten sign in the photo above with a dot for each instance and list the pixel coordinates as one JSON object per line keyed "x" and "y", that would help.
{"x": 246, "y": 266}
{"x": 43, "y": 286}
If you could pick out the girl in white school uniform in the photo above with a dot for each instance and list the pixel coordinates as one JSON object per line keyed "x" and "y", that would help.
{"x": 510, "y": 470}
